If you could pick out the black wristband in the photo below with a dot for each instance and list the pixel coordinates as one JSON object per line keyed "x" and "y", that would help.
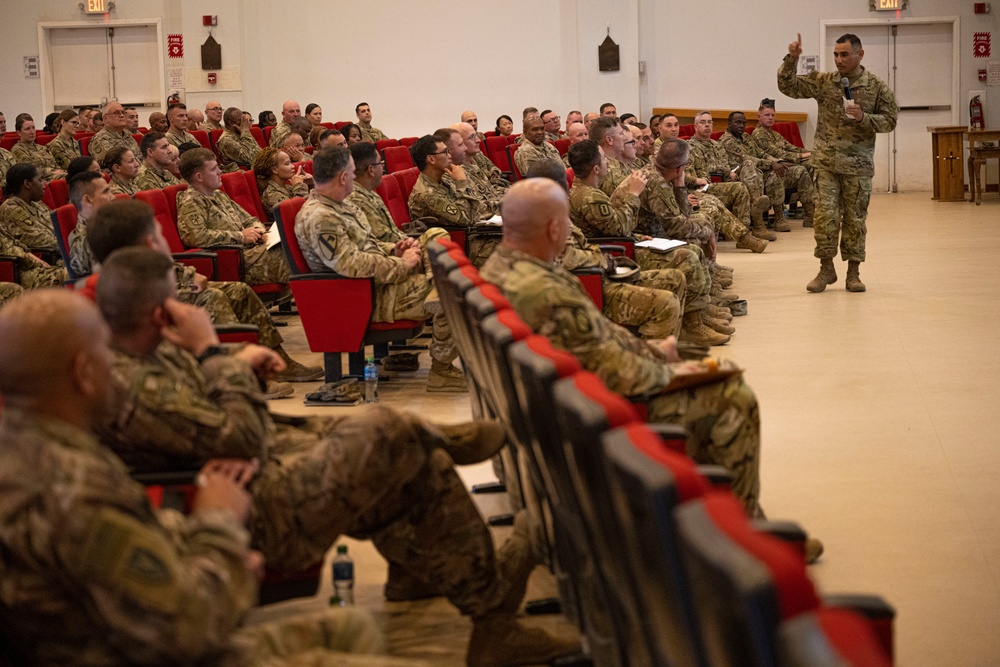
{"x": 210, "y": 351}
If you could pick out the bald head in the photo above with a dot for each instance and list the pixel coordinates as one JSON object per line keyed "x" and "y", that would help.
{"x": 290, "y": 111}
{"x": 471, "y": 118}
{"x": 39, "y": 369}
{"x": 576, "y": 133}
{"x": 536, "y": 218}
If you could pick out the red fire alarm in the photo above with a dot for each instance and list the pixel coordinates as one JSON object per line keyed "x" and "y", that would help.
{"x": 982, "y": 75}
{"x": 212, "y": 78}
{"x": 209, "y": 21}
{"x": 982, "y": 7}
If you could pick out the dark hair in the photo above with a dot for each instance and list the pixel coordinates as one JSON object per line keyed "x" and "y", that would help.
{"x": 17, "y": 175}
{"x": 20, "y": 119}
{"x": 133, "y": 281}
{"x": 499, "y": 118}
{"x": 668, "y": 115}
{"x": 625, "y": 116}
{"x": 364, "y": 154}
{"x": 232, "y": 117}
{"x": 302, "y": 127}
{"x": 51, "y": 118}
{"x": 544, "y": 113}
{"x": 422, "y": 147}
{"x": 176, "y": 105}
{"x": 114, "y": 157}
{"x": 444, "y": 134}
{"x": 119, "y": 224}
{"x": 582, "y": 156}
{"x": 149, "y": 141}
{"x": 605, "y": 106}
{"x": 190, "y": 146}
{"x": 78, "y": 165}
{"x": 654, "y": 118}
{"x": 79, "y": 185}
{"x": 194, "y": 160}
{"x": 600, "y": 126}
{"x": 528, "y": 110}
{"x": 310, "y": 107}
{"x": 852, "y": 38}
{"x": 733, "y": 114}
{"x": 639, "y": 124}
{"x": 328, "y": 132}
{"x": 262, "y": 117}
{"x": 328, "y": 163}
{"x": 346, "y": 130}
{"x": 669, "y": 155}
{"x": 551, "y": 169}
{"x": 767, "y": 102}
{"x": 359, "y": 105}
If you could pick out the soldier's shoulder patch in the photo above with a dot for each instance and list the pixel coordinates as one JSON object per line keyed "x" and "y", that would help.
{"x": 604, "y": 209}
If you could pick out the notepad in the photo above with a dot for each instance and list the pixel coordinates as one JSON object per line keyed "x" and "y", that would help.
{"x": 661, "y": 245}
{"x": 496, "y": 220}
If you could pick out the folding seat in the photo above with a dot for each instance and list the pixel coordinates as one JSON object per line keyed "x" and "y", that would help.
{"x": 7, "y": 141}
{"x": 496, "y": 151}
{"x": 56, "y": 193}
{"x": 235, "y": 185}
{"x": 512, "y": 138}
{"x": 202, "y": 137}
{"x": 341, "y": 124}
{"x": 43, "y": 139}
{"x": 336, "y": 312}
{"x": 408, "y": 141}
{"x": 562, "y": 145}
{"x": 515, "y": 173}
{"x": 717, "y": 134}
{"x": 686, "y": 131}
{"x": 397, "y": 158}
{"x": 406, "y": 179}
{"x": 267, "y": 135}
{"x": 138, "y": 139}
{"x": 205, "y": 262}
{"x": 307, "y": 165}
{"x": 328, "y": 125}
{"x": 213, "y": 138}
{"x": 391, "y": 194}
{"x": 382, "y": 144}
{"x": 64, "y": 220}
{"x": 9, "y": 271}
{"x": 570, "y": 176}
{"x": 251, "y": 178}
{"x": 258, "y": 135}
{"x": 85, "y": 145}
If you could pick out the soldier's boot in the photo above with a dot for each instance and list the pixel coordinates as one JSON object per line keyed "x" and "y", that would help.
{"x": 691, "y": 351}
{"x": 296, "y": 372}
{"x": 275, "y": 390}
{"x": 719, "y": 313}
{"x": 754, "y": 241}
{"x": 473, "y": 442}
{"x": 445, "y": 378}
{"x": 723, "y": 278}
{"x": 827, "y": 276}
{"x": 720, "y": 326}
{"x": 697, "y": 332}
{"x": 793, "y": 210}
{"x": 504, "y": 641}
{"x": 853, "y": 282}
{"x": 758, "y": 224}
{"x": 722, "y": 297}
{"x": 780, "y": 221}
{"x": 807, "y": 214}
{"x": 401, "y": 586}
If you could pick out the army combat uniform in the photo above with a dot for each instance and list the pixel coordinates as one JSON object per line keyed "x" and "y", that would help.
{"x": 798, "y": 175}
{"x": 618, "y": 171}
{"x": 63, "y": 150}
{"x": 37, "y": 155}
{"x": 180, "y": 138}
{"x": 454, "y": 203}
{"x": 122, "y": 187}
{"x": 708, "y": 158}
{"x": 529, "y": 153}
{"x": 9, "y": 291}
{"x": 7, "y": 161}
{"x": 278, "y": 134}
{"x": 377, "y": 216}
{"x": 842, "y": 158}
{"x": 151, "y": 177}
{"x": 236, "y": 150}
{"x": 28, "y": 224}
{"x": 722, "y": 418}
{"x": 81, "y": 257}
{"x": 105, "y": 141}
{"x": 130, "y": 584}
{"x": 371, "y": 134}
{"x": 756, "y": 170}
{"x": 275, "y": 193}
{"x": 209, "y": 220}
{"x": 30, "y": 270}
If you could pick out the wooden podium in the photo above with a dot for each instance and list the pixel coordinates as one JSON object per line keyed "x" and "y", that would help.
{"x": 947, "y": 156}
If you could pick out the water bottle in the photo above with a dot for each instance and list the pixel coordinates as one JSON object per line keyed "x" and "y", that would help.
{"x": 343, "y": 578}
{"x": 371, "y": 381}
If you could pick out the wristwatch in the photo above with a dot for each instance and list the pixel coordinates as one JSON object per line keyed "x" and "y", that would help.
{"x": 211, "y": 351}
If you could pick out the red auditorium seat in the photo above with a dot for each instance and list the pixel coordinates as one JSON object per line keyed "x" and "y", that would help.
{"x": 85, "y": 145}
{"x": 562, "y": 145}
{"x": 64, "y": 220}
{"x": 515, "y": 172}
{"x": 382, "y": 144}
{"x": 392, "y": 195}
{"x": 408, "y": 141}
{"x": 258, "y": 134}
{"x": 202, "y": 137}
{"x": 204, "y": 262}
{"x": 397, "y": 158}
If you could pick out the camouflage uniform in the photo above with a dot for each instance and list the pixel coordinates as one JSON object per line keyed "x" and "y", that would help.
{"x": 618, "y": 171}
{"x": 180, "y": 138}
{"x": 488, "y": 196}
{"x": 798, "y": 176}
{"x": 274, "y": 194}
{"x": 596, "y": 215}
{"x": 334, "y": 237}
{"x": 209, "y": 220}
{"x": 6, "y": 162}
{"x": 380, "y": 474}
{"x": 63, "y": 150}
{"x": 757, "y": 171}
{"x": 128, "y": 583}
{"x": 104, "y": 141}
{"x": 28, "y": 224}
{"x": 496, "y": 178}
{"x": 236, "y": 150}
{"x": 9, "y": 291}
{"x": 843, "y": 153}
{"x": 552, "y": 136}
{"x": 278, "y": 134}
{"x": 371, "y": 134}
{"x": 529, "y": 153}
{"x": 449, "y": 202}
{"x": 377, "y": 216}
{"x": 151, "y": 177}
{"x": 31, "y": 273}
{"x": 707, "y": 158}
{"x": 81, "y": 257}
{"x": 640, "y": 163}
{"x": 122, "y": 187}
{"x": 212, "y": 125}
{"x": 721, "y": 418}
{"x": 37, "y": 155}
{"x": 664, "y": 211}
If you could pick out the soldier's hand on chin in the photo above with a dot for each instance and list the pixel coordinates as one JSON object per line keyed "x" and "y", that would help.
{"x": 188, "y": 327}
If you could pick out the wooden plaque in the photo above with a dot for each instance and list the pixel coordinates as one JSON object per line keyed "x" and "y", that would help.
{"x": 211, "y": 54}
{"x": 607, "y": 55}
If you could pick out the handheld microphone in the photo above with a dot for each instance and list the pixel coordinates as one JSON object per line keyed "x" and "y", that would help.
{"x": 847, "y": 87}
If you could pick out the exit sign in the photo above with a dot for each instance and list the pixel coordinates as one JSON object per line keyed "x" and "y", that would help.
{"x": 887, "y": 5}
{"x": 95, "y": 6}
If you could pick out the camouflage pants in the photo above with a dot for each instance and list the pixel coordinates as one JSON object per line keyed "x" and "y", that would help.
{"x": 734, "y": 195}
{"x": 235, "y": 303}
{"x": 799, "y": 179}
{"x": 723, "y": 421}
{"x": 9, "y": 291}
{"x": 841, "y": 211}
{"x": 651, "y": 305}
{"x": 763, "y": 182}
{"x": 728, "y": 223}
{"x": 481, "y": 246}
{"x": 265, "y": 266}
{"x": 688, "y": 260}
{"x": 379, "y": 474}
{"x": 43, "y": 276}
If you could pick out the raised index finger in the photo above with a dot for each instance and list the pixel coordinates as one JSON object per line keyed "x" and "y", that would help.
{"x": 799, "y": 35}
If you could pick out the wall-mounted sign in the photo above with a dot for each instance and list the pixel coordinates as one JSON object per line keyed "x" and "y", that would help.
{"x": 175, "y": 46}
{"x": 981, "y": 45}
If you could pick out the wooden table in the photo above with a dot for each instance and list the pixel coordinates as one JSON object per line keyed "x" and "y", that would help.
{"x": 978, "y": 157}
{"x": 946, "y": 156}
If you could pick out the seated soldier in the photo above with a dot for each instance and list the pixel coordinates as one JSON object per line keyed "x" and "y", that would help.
{"x": 64, "y": 148}
{"x": 158, "y": 122}
{"x": 97, "y": 121}
{"x": 369, "y": 170}
{"x": 27, "y": 150}
{"x": 32, "y": 271}
{"x": 458, "y": 150}
{"x": 470, "y": 117}
{"x": 154, "y": 172}
{"x": 266, "y": 118}
{"x": 643, "y": 145}
{"x": 576, "y": 133}
{"x": 214, "y": 116}
{"x": 7, "y": 161}
{"x": 125, "y": 224}
{"x": 132, "y": 120}
{"x": 294, "y": 144}
{"x": 504, "y": 126}
{"x": 195, "y": 119}
{"x": 237, "y": 147}
{"x": 290, "y": 110}
{"x": 443, "y": 193}
{"x": 333, "y": 236}
{"x": 608, "y": 134}
{"x": 384, "y": 474}
{"x": 368, "y": 133}
{"x": 88, "y": 192}
{"x": 794, "y": 158}
{"x": 9, "y": 291}
{"x": 78, "y": 165}
{"x": 534, "y": 147}
{"x": 760, "y": 172}
{"x": 574, "y": 116}
{"x": 114, "y": 135}
{"x": 129, "y": 584}
{"x": 206, "y": 217}
{"x": 595, "y": 214}
{"x": 121, "y": 163}
{"x": 178, "y": 134}
{"x": 278, "y": 179}
{"x": 479, "y": 167}
{"x": 174, "y": 165}
{"x": 314, "y": 113}
{"x": 551, "y": 122}
{"x": 352, "y": 133}
{"x": 332, "y": 138}
{"x": 24, "y": 217}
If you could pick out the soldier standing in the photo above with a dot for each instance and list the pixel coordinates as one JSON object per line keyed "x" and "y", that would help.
{"x": 843, "y": 154}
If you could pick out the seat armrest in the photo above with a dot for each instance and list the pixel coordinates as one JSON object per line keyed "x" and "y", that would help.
{"x": 787, "y": 531}
{"x": 612, "y": 248}
{"x": 717, "y": 476}
{"x": 869, "y": 606}
{"x": 166, "y": 477}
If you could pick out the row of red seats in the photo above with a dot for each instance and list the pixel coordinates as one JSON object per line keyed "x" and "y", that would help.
{"x": 660, "y": 565}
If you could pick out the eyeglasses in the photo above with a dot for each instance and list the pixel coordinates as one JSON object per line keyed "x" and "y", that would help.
{"x": 440, "y": 152}
{"x": 213, "y": 108}
{"x": 630, "y": 142}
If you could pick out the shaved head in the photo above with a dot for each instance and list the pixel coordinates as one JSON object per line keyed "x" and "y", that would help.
{"x": 471, "y": 118}
{"x": 536, "y": 218}
{"x": 39, "y": 368}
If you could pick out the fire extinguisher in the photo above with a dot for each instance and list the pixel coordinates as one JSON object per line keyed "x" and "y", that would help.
{"x": 976, "y": 114}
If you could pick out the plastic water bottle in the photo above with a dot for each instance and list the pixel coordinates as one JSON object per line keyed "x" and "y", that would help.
{"x": 343, "y": 578}
{"x": 371, "y": 381}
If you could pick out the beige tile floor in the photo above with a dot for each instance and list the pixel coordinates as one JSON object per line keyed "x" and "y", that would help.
{"x": 877, "y": 429}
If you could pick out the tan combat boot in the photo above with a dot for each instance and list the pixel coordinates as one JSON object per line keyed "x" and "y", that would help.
{"x": 827, "y": 276}
{"x": 472, "y": 442}
{"x": 445, "y": 378}
{"x": 757, "y": 221}
{"x": 718, "y": 325}
{"x": 294, "y": 371}
{"x": 753, "y": 241}
{"x": 719, "y": 313}
{"x": 853, "y": 282}
{"x": 697, "y": 332}
{"x": 807, "y": 214}
{"x": 503, "y": 641}
{"x": 780, "y": 221}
